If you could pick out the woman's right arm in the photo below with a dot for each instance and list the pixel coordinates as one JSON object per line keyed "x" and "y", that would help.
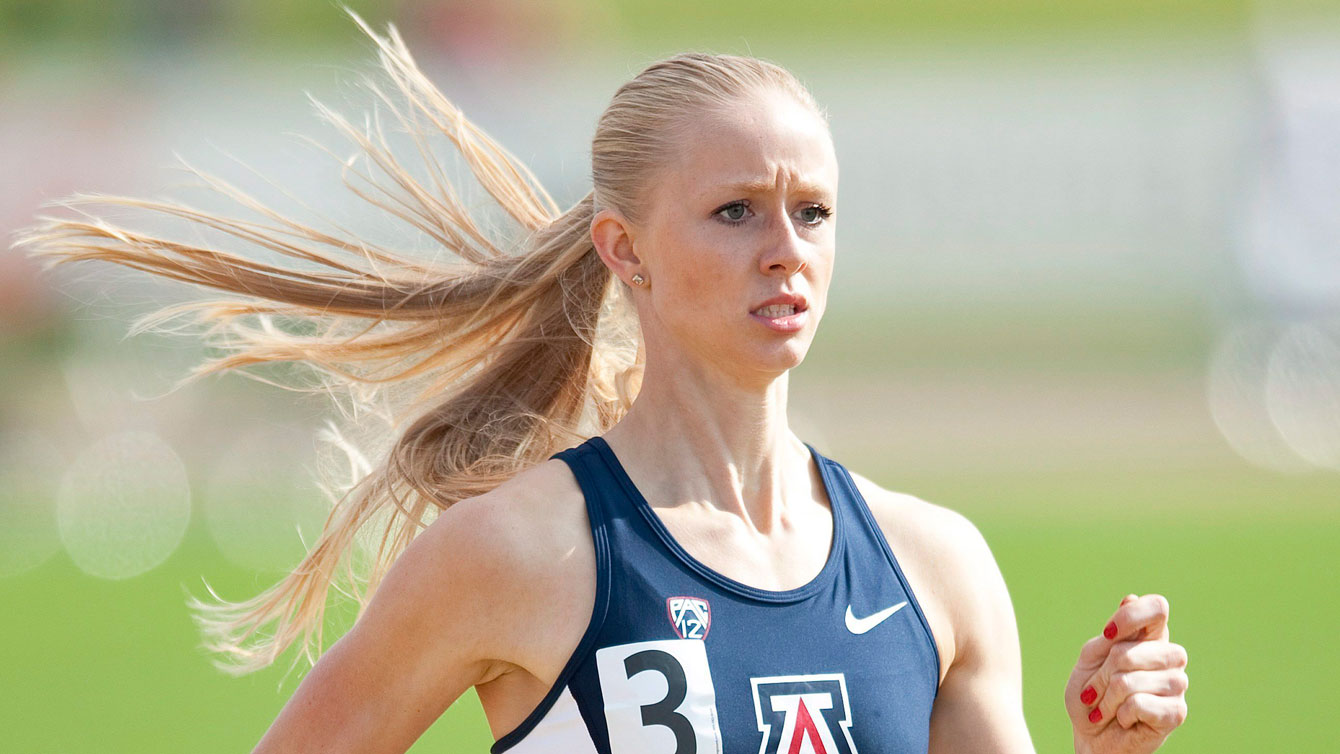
{"x": 422, "y": 641}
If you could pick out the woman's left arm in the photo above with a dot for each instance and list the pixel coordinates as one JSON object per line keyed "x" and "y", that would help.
{"x": 979, "y": 707}
{"x": 1125, "y": 695}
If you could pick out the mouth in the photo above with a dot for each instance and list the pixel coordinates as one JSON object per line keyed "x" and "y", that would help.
{"x": 781, "y": 306}
{"x": 787, "y": 314}
{"x": 777, "y": 310}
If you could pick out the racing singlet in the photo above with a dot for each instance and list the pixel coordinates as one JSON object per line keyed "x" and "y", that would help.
{"x": 680, "y": 659}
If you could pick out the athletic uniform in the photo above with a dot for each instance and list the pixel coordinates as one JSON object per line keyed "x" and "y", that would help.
{"x": 680, "y": 659}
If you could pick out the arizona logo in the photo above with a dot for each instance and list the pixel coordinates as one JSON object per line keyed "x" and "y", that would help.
{"x": 803, "y": 714}
{"x": 691, "y": 616}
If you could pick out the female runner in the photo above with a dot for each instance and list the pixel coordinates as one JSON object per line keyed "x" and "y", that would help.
{"x": 674, "y": 574}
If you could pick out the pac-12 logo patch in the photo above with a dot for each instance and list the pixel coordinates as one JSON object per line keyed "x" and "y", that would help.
{"x": 691, "y": 616}
{"x": 803, "y": 714}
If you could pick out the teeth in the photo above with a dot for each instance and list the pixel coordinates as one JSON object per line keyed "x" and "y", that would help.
{"x": 777, "y": 310}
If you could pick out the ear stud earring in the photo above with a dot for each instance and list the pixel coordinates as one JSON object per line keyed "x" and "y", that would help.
{"x": 638, "y": 279}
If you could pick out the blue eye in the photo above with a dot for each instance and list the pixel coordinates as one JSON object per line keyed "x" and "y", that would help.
{"x": 814, "y": 213}
{"x": 734, "y": 212}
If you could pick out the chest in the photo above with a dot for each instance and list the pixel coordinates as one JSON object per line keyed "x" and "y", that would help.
{"x": 700, "y": 671}
{"x": 686, "y": 659}
{"x": 788, "y": 555}
{"x": 704, "y": 639}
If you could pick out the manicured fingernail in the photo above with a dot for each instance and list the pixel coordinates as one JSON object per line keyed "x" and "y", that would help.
{"x": 1088, "y": 695}
{"x": 1096, "y": 715}
{"x": 1111, "y": 631}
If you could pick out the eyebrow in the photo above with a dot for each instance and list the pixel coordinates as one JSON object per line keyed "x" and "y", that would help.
{"x": 758, "y": 187}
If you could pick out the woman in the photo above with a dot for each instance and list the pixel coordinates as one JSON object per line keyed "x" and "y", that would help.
{"x": 677, "y": 573}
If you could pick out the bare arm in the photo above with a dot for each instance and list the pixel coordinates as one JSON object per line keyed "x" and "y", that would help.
{"x": 979, "y": 708}
{"x": 421, "y": 642}
{"x": 1125, "y": 695}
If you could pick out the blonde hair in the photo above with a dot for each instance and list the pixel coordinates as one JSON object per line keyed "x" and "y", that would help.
{"x": 478, "y": 369}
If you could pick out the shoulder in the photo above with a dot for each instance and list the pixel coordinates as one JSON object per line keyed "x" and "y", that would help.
{"x": 948, "y": 563}
{"x": 927, "y": 530}
{"x": 453, "y": 611}
{"x": 519, "y": 556}
{"x": 942, "y": 526}
{"x": 519, "y": 525}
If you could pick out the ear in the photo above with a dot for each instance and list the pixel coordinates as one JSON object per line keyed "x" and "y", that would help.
{"x": 612, "y": 235}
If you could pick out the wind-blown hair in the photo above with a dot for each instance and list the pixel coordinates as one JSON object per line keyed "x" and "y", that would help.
{"x": 476, "y": 369}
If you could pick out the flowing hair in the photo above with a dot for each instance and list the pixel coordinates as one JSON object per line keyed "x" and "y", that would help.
{"x": 475, "y": 370}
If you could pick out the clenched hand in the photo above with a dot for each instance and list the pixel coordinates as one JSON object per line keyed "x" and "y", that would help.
{"x": 1128, "y": 689}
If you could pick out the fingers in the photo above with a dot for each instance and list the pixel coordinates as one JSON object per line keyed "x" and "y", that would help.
{"x": 1128, "y": 657}
{"x": 1132, "y": 657}
{"x": 1093, "y": 653}
{"x": 1162, "y": 713}
{"x": 1136, "y": 618}
{"x": 1144, "y": 655}
{"x": 1140, "y": 618}
{"x": 1169, "y": 682}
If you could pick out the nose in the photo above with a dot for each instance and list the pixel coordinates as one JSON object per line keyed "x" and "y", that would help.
{"x": 784, "y": 252}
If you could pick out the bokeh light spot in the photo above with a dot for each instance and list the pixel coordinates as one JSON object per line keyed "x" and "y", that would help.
{"x": 260, "y": 502}
{"x": 123, "y": 505}
{"x": 1236, "y": 391}
{"x": 1303, "y": 391}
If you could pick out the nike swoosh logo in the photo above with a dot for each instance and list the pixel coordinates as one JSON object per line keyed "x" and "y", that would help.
{"x": 859, "y": 626}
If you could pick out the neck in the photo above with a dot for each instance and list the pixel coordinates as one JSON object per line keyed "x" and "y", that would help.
{"x": 692, "y": 437}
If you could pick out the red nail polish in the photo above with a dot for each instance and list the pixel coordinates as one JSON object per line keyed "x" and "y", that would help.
{"x": 1088, "y": 695}
{"x": 1096, "y": 715}
{"x": 1111, "y": 631}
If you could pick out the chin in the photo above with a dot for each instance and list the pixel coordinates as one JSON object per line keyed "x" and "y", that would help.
{"x": 784, "y": 356}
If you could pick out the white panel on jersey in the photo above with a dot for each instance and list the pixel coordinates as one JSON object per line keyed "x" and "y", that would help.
{"x": 659, "y": 698}
{"x": 561, "y": 729}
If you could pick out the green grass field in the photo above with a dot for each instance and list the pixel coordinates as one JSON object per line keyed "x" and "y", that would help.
{"x": 1247, "y": 558}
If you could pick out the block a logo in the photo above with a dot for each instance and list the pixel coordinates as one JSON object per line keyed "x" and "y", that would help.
{"x": 803, "y": 714}
{"x": 691, "y": 616}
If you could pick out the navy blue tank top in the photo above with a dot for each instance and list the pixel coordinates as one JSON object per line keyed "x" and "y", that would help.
{"x": 680, "y": 659}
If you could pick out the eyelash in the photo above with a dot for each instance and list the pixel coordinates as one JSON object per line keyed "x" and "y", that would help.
{"x": 825, "y": 212}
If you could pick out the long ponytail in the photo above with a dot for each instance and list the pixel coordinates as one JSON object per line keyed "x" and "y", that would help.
{"x": 474, "y": 370}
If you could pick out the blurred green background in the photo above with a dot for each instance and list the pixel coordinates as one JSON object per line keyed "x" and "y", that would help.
{"x": 1087, "y": 293}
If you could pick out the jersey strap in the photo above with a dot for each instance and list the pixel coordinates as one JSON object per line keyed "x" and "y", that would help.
{"x": 564, "y": 728}
{"x": 679, "y": 658}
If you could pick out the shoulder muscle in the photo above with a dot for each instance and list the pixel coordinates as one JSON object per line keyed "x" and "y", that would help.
{"x": 449, "y": 613}
{"x": 950, "y": 564}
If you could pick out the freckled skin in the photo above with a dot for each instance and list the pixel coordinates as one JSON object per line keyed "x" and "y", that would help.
{"x": 707, "y": 273}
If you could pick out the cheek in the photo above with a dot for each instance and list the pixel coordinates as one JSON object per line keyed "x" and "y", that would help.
{"x": 822, "y": 274}
{"x": 703, "y": 278}
{"x": 702, "y": 286}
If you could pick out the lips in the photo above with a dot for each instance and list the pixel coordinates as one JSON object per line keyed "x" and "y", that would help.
{"x": 793, "y": 299}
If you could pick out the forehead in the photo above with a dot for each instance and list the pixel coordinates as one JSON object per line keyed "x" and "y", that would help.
{"x": 760, "y": 142}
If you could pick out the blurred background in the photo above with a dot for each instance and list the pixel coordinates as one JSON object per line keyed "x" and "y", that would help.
{"x": 1087, "y": 293}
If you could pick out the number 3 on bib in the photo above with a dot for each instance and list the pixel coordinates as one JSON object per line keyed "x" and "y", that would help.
{"x": 659, "y": 698}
